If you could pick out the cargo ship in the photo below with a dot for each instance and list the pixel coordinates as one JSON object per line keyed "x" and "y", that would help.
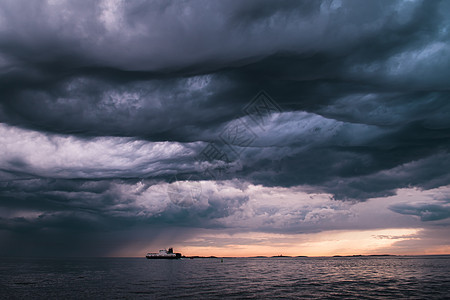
{"x": 164, "y": 254}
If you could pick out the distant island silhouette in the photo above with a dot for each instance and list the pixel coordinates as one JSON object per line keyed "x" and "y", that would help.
{"x": 360, "y": 255}
{"x": 287, "y": 256}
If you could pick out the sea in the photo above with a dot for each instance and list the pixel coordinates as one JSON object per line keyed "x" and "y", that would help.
{"x": 391, "y": 277}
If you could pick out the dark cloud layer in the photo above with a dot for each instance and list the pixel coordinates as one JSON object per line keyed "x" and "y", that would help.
{"x": 96, "y": 97}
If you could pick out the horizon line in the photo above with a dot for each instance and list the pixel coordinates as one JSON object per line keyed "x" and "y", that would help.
{"x": 255, "y": 256}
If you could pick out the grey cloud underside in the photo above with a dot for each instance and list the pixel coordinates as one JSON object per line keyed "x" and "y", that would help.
{"x": 362, "y": 87}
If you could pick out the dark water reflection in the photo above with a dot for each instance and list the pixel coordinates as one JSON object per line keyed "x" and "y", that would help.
{"x": 332, "y": 278}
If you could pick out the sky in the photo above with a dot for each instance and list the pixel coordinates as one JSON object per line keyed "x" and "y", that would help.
{"x": 226, "y": 128}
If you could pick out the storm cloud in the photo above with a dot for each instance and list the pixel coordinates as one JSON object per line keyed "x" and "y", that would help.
{"x": 134, "y": 116}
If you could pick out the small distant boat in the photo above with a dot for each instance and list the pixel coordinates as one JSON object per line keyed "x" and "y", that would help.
{"x": 164, "y": 254}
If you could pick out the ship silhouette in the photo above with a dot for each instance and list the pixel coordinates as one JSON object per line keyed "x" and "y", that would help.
{"x": 164, "y": 254}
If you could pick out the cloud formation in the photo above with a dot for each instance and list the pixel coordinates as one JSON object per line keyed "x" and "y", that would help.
{"x": 108, "y": 108}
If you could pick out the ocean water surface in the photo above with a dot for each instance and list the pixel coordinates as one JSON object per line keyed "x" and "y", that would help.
{"x": 409, "y": 277}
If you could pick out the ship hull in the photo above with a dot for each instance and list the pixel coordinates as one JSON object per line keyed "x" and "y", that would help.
{"x": 163, "y": 257}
